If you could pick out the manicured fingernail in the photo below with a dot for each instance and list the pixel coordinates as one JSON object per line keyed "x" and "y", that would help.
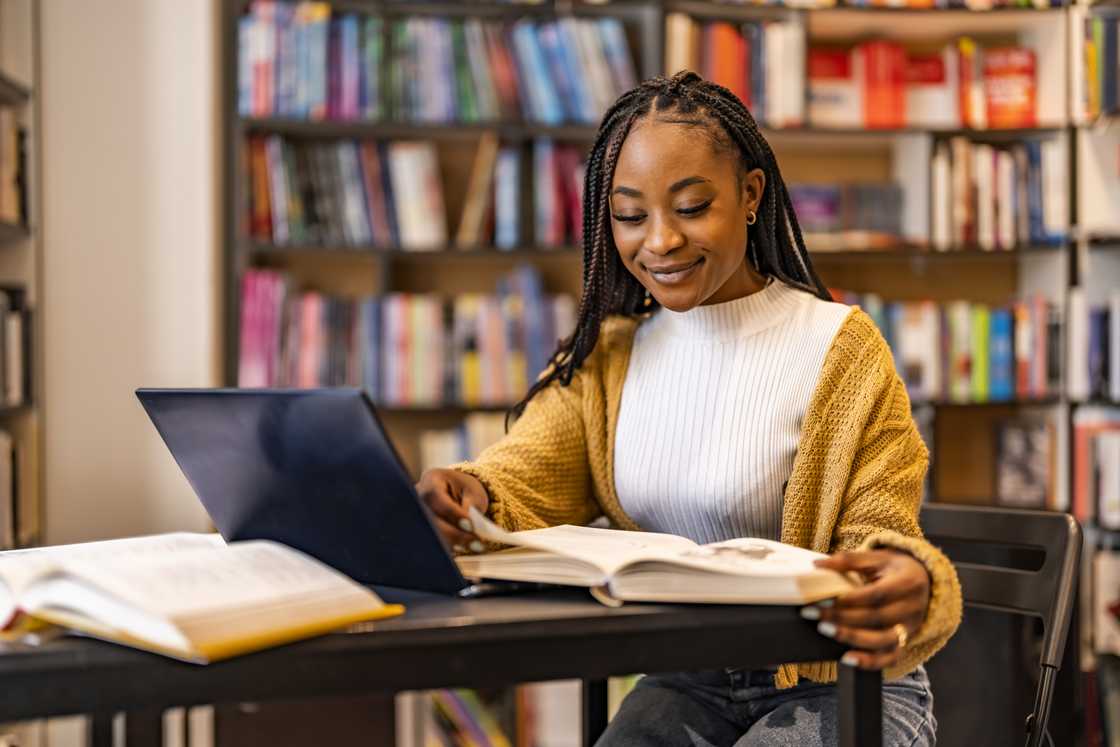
{"x": 458, "y": 548}
{"x": 826, "y": 602}
{"x": 810, "y": 613}
{"x": 849, "y": 659}
{"x": 476, "y": 546}
{"x": 465, "y": 525}
{"x": 827, "y": 629}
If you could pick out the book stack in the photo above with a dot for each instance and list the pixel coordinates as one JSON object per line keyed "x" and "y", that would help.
{"x": 882, "y": 84}
{"x": 1096, "y": 466}
{"x": 762, "y": 62}
{"x": 345, "y": 193}
{"x": 964, "y": 352}
{"x": 439, "y": 448}
{"x": 1102, "y": 65}
{"x": 13, "y": 185}
{"x": 406, "y": 350}
{"x": 15, "y": 347}
{"x": 998, "y": 197}
{"x": 462, "y": 718}
{"x": 849, "y": 217}
{"x": 1094, "y": 347}
{"x": 299, "y": 60}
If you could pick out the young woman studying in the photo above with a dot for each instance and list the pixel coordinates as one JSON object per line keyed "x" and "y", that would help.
{"x": 713, "y": 390}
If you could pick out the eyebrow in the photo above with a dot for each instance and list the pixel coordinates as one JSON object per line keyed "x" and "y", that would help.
{"x": 674, "y": 187}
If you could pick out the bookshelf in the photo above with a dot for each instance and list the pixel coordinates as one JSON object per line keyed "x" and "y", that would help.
{"x": 905, "y": 270}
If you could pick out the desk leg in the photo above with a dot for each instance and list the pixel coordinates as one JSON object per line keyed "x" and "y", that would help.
{"x": 101, "y": 729}
{"x": 594, "y": 710}
{"x": 143, "y": 728}
{"x": 860, "y": 707}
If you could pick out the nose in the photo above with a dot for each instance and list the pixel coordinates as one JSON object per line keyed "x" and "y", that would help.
{"x": 663, "y": 236}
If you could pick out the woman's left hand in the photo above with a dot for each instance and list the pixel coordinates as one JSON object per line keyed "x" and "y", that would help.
{"x": 896, "y": 593}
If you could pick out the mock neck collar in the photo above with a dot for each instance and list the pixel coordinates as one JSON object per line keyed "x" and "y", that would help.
{"x": 733, "y": 319}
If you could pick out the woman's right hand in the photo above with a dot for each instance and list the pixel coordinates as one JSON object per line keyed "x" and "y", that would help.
{"x": 449, "y": 494}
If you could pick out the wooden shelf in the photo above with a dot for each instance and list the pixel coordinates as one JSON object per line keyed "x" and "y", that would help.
{"x": 10, "y": 232}
{"x": 945, "y": 404}
{"x": 410, "y": 255}
{"x": 13, "y": 93}
{"x": 8, "y": 411}
{"x": 449, "y": 409}
{"x": 392, "y": 130}
{"x": 1096, "y": 403}
{"x": 484, "y": 8}
{"x": 919, "y": 254}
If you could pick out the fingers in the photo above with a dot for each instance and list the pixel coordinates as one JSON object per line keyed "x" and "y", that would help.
{"x": 868, "y": 562}
{"x": 874, "y": 649}
{"x": 448, "y": 498}
{"x": 871, "y": 659}
{"x": 876, "y": 618}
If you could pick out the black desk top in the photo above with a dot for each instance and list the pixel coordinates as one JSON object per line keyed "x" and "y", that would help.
{"x": 439, "y": 642}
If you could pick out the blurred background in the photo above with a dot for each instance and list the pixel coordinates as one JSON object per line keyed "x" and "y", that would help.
{"x": 386, "y": 194}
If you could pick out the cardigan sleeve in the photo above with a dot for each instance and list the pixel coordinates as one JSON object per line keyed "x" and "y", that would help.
{"x": 880, "y": 504}
{"x": 538, "y": 474}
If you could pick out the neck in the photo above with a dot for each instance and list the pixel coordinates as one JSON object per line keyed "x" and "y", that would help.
{"x": 743, "y": 282}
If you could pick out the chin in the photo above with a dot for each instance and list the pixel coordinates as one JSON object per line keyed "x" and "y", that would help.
{"x": 678, "y": 299}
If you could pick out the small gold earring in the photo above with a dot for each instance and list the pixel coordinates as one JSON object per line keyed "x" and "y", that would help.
{"x": 751, "y": 217}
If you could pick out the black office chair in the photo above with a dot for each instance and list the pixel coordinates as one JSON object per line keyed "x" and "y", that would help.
{"x": 985, "y": 545}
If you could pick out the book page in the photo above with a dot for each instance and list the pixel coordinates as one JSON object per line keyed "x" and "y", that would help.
{"x": 748, "y": 556}
{"x": 608, "y": 549}
{"x": 205, "y": 583}
{"x": 18, "y": 568}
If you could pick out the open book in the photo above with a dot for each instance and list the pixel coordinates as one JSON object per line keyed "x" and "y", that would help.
{"x": 189, "y": 596}
{"x": 645, "y": 566}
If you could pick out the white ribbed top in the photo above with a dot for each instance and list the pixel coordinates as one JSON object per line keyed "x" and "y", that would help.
{"x": 711, "y": 412}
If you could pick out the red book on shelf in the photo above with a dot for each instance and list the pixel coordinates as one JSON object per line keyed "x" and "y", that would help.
{"x": 260, "y": 219}
{"x": 728, "y": 58}
{"x": 375, "y": 195}
{"x": 1009, "y": 87}
{"x": 884, "y": 84}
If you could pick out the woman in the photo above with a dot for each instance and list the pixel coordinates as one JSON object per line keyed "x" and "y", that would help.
{"x": 712, "y": 389}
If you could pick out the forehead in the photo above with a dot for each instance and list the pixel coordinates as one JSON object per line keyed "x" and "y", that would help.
{"x": 658, "y": 150}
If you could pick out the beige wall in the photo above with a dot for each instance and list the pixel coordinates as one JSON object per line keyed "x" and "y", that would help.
{"x": 130, "y": 174}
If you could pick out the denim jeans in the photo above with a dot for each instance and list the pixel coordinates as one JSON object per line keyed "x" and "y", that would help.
{"x": 740, "y": 708}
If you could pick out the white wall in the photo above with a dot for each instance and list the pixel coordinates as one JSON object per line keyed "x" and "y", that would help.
{"x": 130, "y": 242}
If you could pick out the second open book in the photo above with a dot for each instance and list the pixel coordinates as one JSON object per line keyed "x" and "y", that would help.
{"x": 646, "y": 566}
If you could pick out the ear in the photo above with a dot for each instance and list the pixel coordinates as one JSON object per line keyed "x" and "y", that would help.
{"x": 754, "y": 181}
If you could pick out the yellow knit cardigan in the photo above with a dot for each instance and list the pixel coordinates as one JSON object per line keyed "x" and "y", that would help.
{"x": 856, "y": 481}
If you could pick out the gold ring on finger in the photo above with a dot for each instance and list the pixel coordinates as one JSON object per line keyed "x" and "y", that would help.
{"x": 900, "y": 631}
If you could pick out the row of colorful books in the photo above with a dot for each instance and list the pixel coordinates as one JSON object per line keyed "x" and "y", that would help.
{"x": 1094, "y": 346}
{"x": 998, "y": 197}
{"x": 13, "y": 184}
{"x": 390, "y": 194}
{"x": 405, "y": 349}
{"x": 1101, "y": 37}
{"x": 301, "y": 60}
{"x": 970, "y": 352}
{"x": 762, "y": 62}
{"x": 839, "y": 217}
{"x": 882, "y": 84}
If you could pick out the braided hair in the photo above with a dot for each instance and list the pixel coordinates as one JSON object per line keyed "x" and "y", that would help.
{"x": 774, "y": 246}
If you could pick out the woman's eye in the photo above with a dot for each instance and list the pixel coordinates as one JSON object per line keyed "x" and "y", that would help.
{"x": 694, "y": 209}
{"x": 628, "y": 218}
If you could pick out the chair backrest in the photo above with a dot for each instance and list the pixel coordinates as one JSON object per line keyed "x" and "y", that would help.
{"x": 1018, "y": 561}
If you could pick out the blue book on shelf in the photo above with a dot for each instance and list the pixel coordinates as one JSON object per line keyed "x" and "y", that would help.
{"x": 318, "y": 43}
{"x": 542, "y": 91}
{"x": 370, "y": 324}
{"x": 245, "y": 65}
{"x": 1034, "y": 192}
{"x": 563, "y": 57}
{"x": 617, "y": 50}
{"x": 1109, "y": 65}
{"x": 755, "y": 37}
{"x": 287, "y": 68}
{"x": 373, "y": 48}
{"x": 507, "y": 191}
{"x": 351, "y": 64}
{"x": 586, "y": 110}
{"x": 1001, "y": 356}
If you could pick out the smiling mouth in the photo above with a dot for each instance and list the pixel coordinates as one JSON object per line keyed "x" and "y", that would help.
{"x": 673, "y": 274}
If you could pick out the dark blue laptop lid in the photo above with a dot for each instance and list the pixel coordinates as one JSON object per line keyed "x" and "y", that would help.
{"x": 312, "y": 469}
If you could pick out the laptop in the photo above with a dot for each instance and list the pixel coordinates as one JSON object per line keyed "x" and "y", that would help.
{"x": 314, "y": 470}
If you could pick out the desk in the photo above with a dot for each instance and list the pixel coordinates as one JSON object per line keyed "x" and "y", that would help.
{"x": 443, "y": 642}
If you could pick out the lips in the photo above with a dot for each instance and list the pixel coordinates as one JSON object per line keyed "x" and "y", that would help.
{"x": 672, "y": 274}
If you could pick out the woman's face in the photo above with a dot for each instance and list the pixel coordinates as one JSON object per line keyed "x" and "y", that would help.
{"x": 679, "y": 215}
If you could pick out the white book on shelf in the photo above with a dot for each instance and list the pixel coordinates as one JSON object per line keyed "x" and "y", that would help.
{"x": 417, "y": 195}
{"x": 13, "y": 355}
{"x": 7, "y": 492}
{"x": 1055, "y": 194}
{"x": 1077, "y": 325}
{"x": 277, "y": 187}
{"x": 773, "y": 46}
{"x": 1114, "y": 346}
{"x": 1108, "y": 479}
{"x": 1005, "y": 200}
{"x": 680, "y": 31}
{"x": 983, "y": 169}
{"x": 941, "y": 233}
